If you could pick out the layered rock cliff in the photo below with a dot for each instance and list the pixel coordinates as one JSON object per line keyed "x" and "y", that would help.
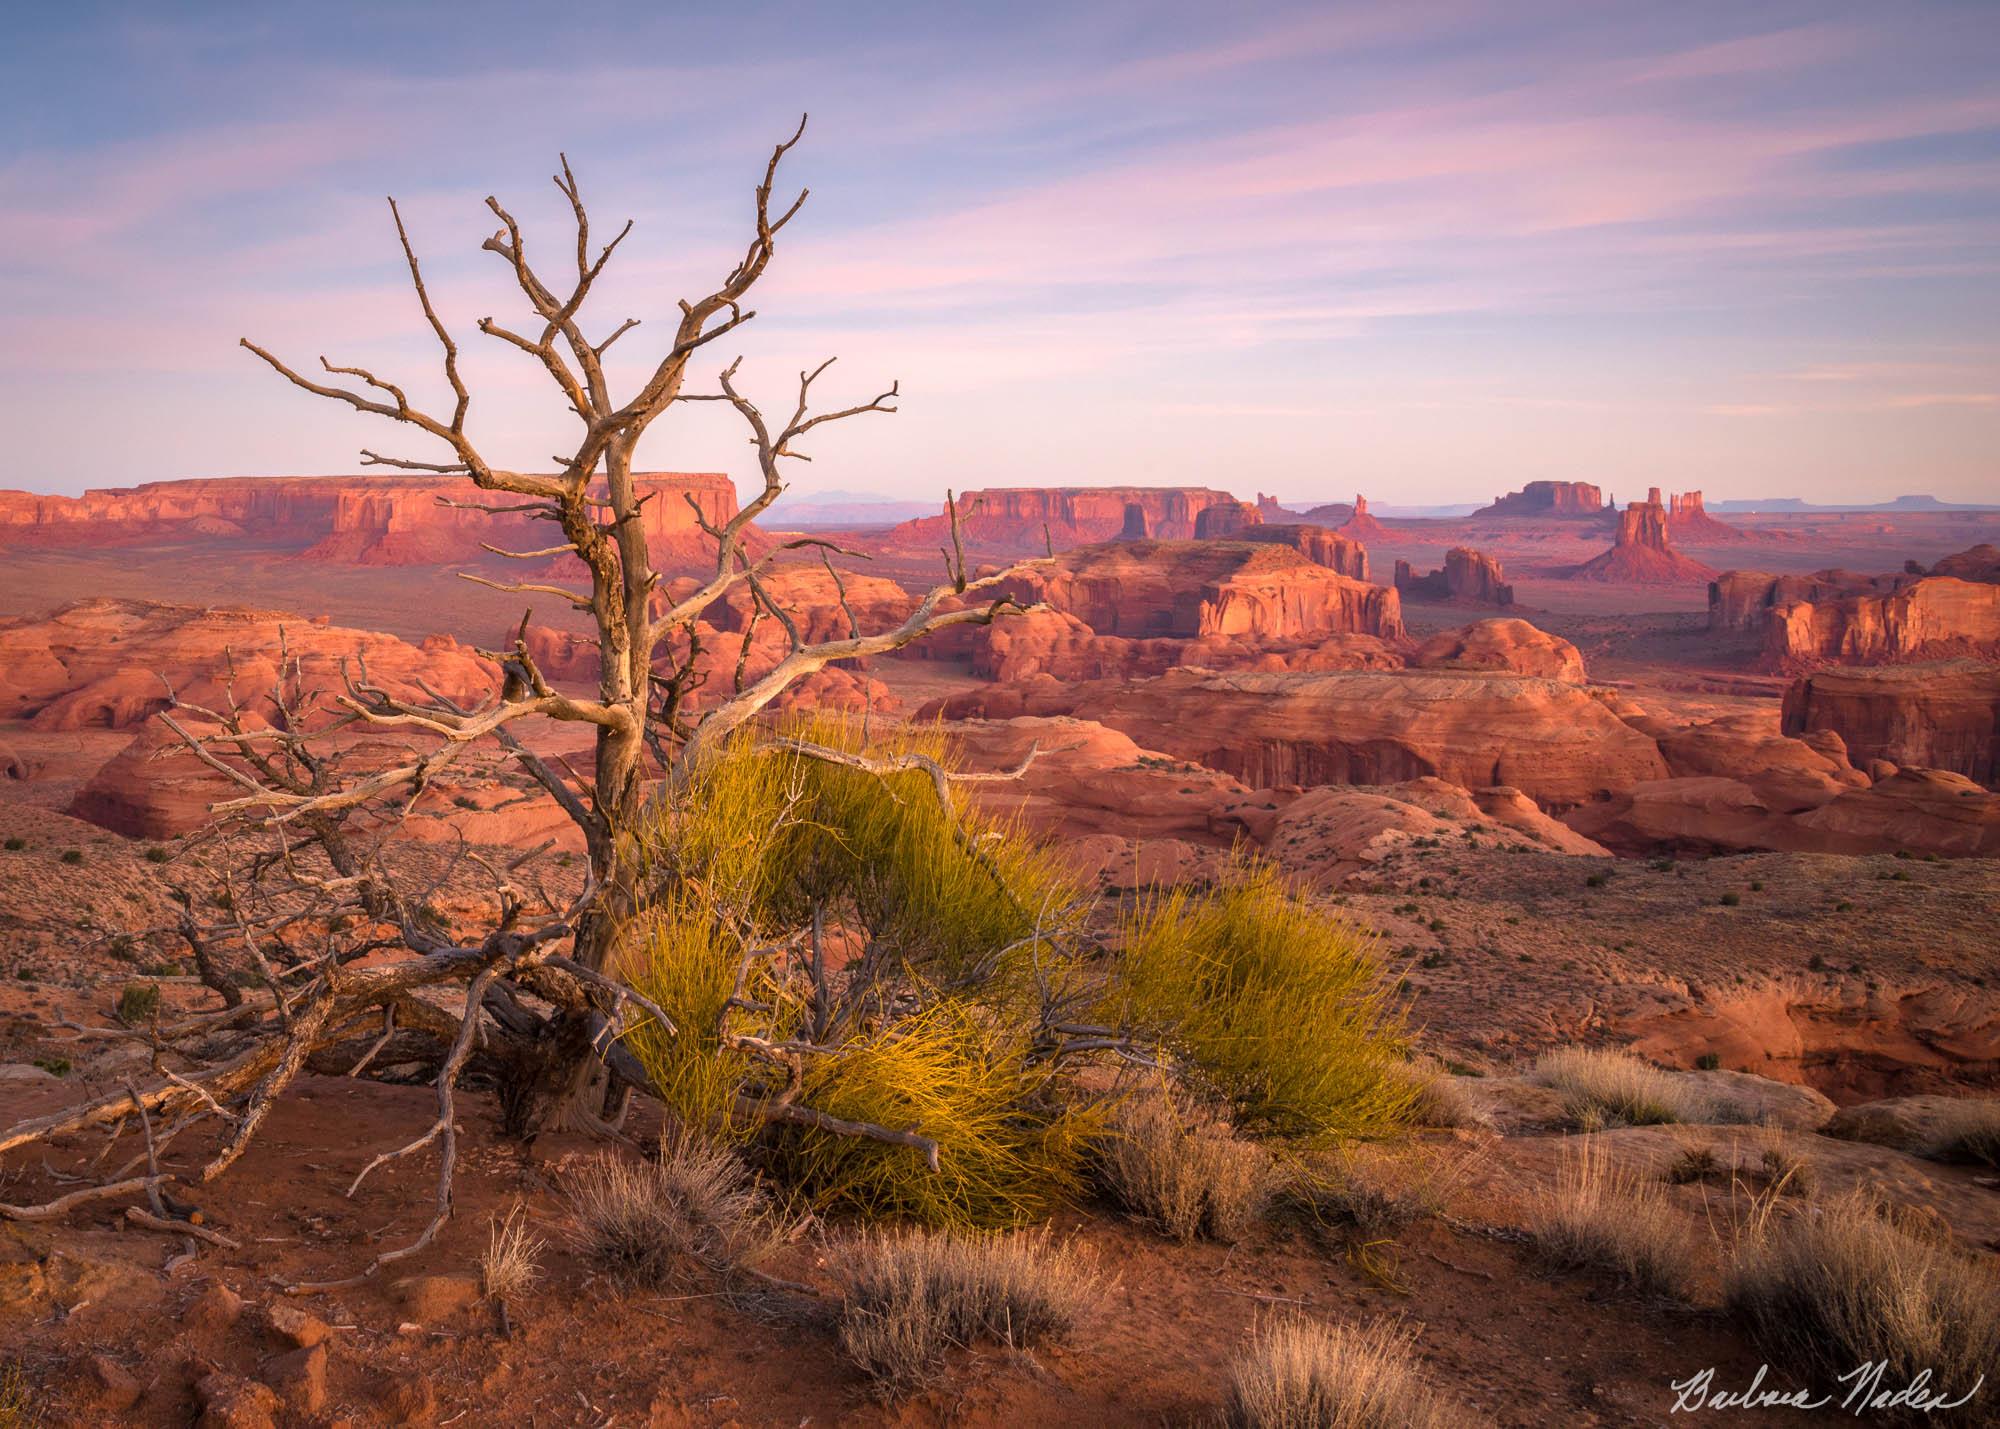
{"x": 1941, "y": 716}
{"x": 1689, "y": 523}
{"x": 365, "y": 520}
{"x": 1468, "y": 577}
{"x": 1930, "y": 618}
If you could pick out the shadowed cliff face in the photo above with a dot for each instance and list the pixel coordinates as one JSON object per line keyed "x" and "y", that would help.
{"x": 1944, "y": 716}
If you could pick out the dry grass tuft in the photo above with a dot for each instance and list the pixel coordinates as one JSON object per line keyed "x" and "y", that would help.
{"x": 1370, "y": 1193}
{"x": 1601, "y": 1087}
{"x": 513, "y": 1258}
{"x": 1695, "y": 1164}
{"x": 1970, "y": 1133}
{"x": 1183, "y": 1169}
{"x": 693, "y": 1211}
{"x": 1842, "y": 1285}
{"x": 1598, "y": 1218}
{"x": 909, "y": 1297}
{"x": 1441, "y": 1099}
{"x": 1300, "y": 1374}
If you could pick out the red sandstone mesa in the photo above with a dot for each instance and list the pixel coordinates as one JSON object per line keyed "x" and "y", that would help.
{"x": 1030, "y": 518}
{"x": 1642, "y": 554}
{"x": 1468, "y": 577}
{"x": 1944, "y": 716}
{"x": 365, "y": 520}
{"x": 1225, "y": 519}
{"x": 1568, "y": 499}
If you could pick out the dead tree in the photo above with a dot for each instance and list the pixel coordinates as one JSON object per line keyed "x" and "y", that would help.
{"x": 543, "y": 1006}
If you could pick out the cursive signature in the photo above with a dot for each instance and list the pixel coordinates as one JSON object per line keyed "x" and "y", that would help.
{"x": 1867, "y": 1391}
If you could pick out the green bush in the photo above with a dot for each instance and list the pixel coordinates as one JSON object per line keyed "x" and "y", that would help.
{"x": 15, "y": 843}
{"x": 1286, "y": 1010}
{"x": 72, "y": 855}
{"x": 139, "y": 1002}
{"x": 934, "y": 951}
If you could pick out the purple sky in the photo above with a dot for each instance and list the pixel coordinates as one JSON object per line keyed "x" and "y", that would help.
{"x": 1424, "y": 251}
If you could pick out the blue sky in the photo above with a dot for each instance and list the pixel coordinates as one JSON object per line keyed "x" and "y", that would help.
{"x": 1424, "y": 251}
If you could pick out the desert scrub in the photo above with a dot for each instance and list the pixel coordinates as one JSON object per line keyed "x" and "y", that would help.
{"x": 915, "y": 1007}
{"x": 1182, "y": 1169}
{"x": 1843, "y": 1285}
{"x": 1439, "y": 1101}
{"x": 1301, "y": 1374}
{"x": 1600, "y": 1218}
{"x": 691, "y": 1213}
{"x": 1284, "y": 1009}
{"x": 139, "y": 1002}
{"x": 909, "y": 1297}
{"x": 512, "y": 1261}
{"x": 1602, "y": 1087}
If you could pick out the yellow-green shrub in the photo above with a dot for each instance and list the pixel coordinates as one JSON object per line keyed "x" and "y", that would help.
{"x": 1283, "y": 1008}
{"x": 933, "y": 1027}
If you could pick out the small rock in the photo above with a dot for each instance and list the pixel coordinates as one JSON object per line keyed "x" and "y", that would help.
{"x": 295, "y": 1326}
{"x": 20, "y": 1076}
{"x": 431, "y": 1298}
{"x": 299, "y": 1377}
{"x": 215, "y": 1311}
{"x": 117, "y": 1387}
{"x": 231, "y": 1403}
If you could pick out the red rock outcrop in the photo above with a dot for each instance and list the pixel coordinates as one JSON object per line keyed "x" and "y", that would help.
{"x": 1131, "y": 815}
{"x": 399, "y": 521}
{"x": 1744, "y": 600}
{"x": 1930, "y": 618}
{"x": 1361, "y": 526}
{"x": 1203, "y": 589}
{"x": 1689, "y": 523}
{"x": 818, "y": 606}
{"x": 1512, "y": 646}
{"x": 1316, "y": 544}
{"x": 366, "y": 520}
{"x": 1913, "y": 810}
{"x": 1980, "y": 563}
{"x": 1550, "y": 739}
{"x": 1642, "y": 554}
{"x": 1225, "y": 519}
{"x": 1468, "y": 577}
{"x": 1944, "y": 716}
{"x": 100, "y": 662}
{"x": 1566, "y": 499}
{"x": 1030, "y": 518}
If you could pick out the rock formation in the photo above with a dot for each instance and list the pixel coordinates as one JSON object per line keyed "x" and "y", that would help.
{"x": 1947, "y": 610}
{"x": 1027, "y": 519}
{"x": 1512, "y": 646}
{"x": 367, "y": 520}
{"x": 1361, "y": 526}
{"x": 1200, "y": 589}
{"x": 1642, "y": 554}
{"x": 1317, "y": 544}
{"x": 1688, "y": 522}
{"x": 1552, "y": 740}
{"x": 1565, "y": 499}
{"x": 1744, "y": 600}
{"x": 1468, "y": 577}
{"x": 99, "y": 663}
{"x": 1932, "y": 617}
{"x": 1944, "y": 716}
{"x": 1225, "y": 519}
